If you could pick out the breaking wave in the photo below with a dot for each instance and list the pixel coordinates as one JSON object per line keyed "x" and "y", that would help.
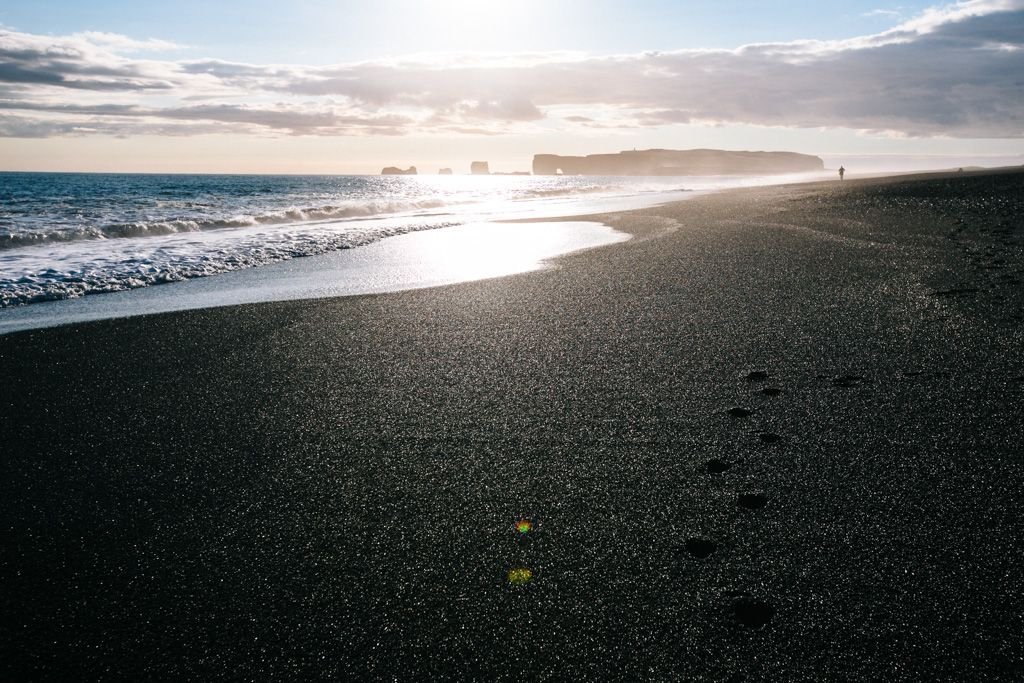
{"x": 178, "y": 225}
{"x": 68, "y": 235}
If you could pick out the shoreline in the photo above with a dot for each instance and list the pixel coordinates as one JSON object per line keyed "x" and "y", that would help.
{"x": 413, "y": 260}
{"x": 303, "y": 277}
{"x": 775, "y": 435}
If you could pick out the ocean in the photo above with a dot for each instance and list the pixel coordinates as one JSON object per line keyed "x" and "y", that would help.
{"x": 66, "y": 235}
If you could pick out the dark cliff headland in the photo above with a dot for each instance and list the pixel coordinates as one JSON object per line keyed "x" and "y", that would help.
{"x": 664, "y": 162}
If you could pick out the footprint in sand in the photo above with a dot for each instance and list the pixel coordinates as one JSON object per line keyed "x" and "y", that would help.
{"x": 769, "y": 437}
{"x": 757, "y": 376}
{"x": 752, "y": 612}
{"x": 752, "y": 501}
{"x": 700, "y": 548}
{"x": 771, "y": 391}
{"x": 716, "y": 466}
{"x": 739, "y": 412}
{"x": 847, "y": 381}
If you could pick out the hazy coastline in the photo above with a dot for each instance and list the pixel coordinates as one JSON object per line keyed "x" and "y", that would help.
{"x": 66, "y": 239}
{"x": 772, "y": 436}
{"x": 512, "y": 341}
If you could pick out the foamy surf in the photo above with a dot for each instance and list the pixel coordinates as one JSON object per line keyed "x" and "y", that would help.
{"x": 68, "y": 235}
{"x": 413, "y": 260}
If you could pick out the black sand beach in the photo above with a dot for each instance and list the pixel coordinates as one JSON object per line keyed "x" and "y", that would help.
{"x": 776, "y": 436}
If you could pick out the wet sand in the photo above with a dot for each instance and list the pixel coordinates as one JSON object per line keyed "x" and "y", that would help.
{"x": 414, "y": 260}
{"x": 775, "y": 436}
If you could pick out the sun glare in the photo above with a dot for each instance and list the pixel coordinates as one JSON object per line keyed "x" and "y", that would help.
{"x": 479, "y": 25}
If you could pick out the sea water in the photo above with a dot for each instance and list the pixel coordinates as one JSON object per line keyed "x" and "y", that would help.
{"x": 65, "y": 235}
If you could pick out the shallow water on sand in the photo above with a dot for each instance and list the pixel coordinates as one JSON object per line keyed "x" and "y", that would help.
{"x": 65, "y": 235}
{"x": 411, "y": 261}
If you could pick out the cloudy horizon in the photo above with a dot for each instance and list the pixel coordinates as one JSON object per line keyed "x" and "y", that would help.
{"x": 945, "y": 82}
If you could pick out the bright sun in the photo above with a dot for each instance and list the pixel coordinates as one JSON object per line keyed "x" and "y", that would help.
{"x": 479, "y": 25}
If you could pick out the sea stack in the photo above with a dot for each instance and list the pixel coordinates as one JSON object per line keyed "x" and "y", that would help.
{"x": 394, "y": 170}
{"x": 480, "y": 168}
{"x": 445, "y": 171}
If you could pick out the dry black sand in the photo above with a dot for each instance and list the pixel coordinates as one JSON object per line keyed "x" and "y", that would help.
{"x": 328, "y": 489}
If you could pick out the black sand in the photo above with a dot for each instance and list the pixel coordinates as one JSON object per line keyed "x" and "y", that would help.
{"x": 328, "y": 489}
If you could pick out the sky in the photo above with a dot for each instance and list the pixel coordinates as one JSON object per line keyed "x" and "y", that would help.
{"x": 315, "y": 86}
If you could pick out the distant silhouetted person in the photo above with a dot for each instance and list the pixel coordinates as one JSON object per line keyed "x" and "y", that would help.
{"x": 842, "y": 172}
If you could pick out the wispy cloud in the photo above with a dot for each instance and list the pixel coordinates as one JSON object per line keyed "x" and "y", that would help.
{"x": 115, "y": 42}
{"x": 953, "y": 70}
{"x": 883, "y": 13}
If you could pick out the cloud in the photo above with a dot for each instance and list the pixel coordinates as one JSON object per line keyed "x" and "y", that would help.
{"x": 955, "y": 70}
{"x": 882, "y": 13}
{"x": 22, "y": 127}
{"x": 115, "y": 42}
{"x": 82, "y": 62}
{"x": 290, "y": 120}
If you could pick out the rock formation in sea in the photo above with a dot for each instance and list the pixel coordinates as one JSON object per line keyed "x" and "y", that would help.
{"x": 666, "y": 162}
{"x": 394, "y": 170}
{"x": 480, "y": 168}
{"x": 445, "y": 171}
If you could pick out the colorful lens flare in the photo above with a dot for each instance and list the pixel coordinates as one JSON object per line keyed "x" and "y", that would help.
{"x": 520, "y": 576}
{"x": 524, "y": 526}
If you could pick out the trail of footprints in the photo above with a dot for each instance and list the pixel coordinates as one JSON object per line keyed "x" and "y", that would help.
{"x": 747, "y": 610}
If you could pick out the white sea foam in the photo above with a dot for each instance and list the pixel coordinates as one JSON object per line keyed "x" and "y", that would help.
{"x": 67, "y": 235}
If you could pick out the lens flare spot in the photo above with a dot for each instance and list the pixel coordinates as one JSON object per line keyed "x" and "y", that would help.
{"x": 524, "y": 526}
{"x": 520, "y": 576}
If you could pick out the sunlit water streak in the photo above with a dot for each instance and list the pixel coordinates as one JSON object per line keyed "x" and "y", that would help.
{"x": 66, "y": 235}
{"x": 473, "y": 251}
